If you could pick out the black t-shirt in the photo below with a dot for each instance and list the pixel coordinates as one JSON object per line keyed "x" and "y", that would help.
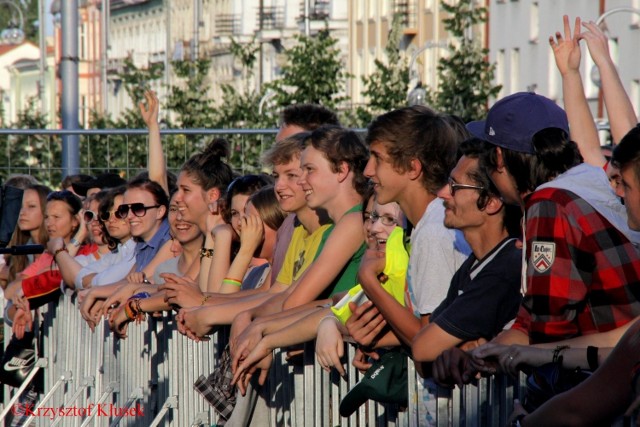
{"x": 484, "y": 295}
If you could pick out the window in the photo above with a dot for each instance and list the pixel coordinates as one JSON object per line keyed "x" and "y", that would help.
{"x": 514, "y": 71}
{"x": 635, "y": 95}
{"x": 500, "y": 71}
{"x": 534, "y": 23}
{"x": 82, "y": 41}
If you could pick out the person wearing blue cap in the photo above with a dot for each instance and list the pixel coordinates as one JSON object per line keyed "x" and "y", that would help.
{"x": 581, "y": 267}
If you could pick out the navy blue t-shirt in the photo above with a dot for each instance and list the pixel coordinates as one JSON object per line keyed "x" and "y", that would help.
{"x": 484, "y": 295}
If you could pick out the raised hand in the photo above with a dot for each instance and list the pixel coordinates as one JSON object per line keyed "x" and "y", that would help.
{"x": 149, "y": 112}
{"x": 566, "y": 49}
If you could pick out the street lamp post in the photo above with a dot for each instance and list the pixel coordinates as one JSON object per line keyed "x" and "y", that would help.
{"x": 418, "y": 95}
{"x": 14, "y": 33}
{"x": 595, "y": 75}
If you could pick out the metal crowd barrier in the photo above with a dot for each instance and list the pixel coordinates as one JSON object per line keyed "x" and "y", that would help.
{"x": 151, "y": 375}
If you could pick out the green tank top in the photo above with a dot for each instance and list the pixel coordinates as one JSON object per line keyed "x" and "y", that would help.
{"x": 348, "y": 276}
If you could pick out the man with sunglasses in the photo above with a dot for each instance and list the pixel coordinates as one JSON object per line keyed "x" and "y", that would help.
{"x": 484, "y": 293}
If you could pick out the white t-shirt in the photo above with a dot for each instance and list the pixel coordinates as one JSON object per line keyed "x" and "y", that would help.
{"x": 111, "y": 268}
{"x": 436, "y": 254}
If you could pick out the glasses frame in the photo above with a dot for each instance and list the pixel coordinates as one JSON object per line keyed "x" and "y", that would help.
{"x": 385, "y": 220}
{"x": 454, "y": 186}
{"x": 94, "y": 216}
{"x": 137, "y": 209}
{"x": 106, "y": 216}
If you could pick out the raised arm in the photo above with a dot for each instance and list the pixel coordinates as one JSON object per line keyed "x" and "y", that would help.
{"x": 157, "y": 165}
{"x": 566, "y": 52}
{"x": 621, "y": 115}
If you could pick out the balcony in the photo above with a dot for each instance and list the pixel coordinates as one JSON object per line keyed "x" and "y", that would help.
{"x": 406, "y": 9}
{"x": 227, "y": 24}
{"x": 319, "y": 10}
{"x": 271, "y": 18}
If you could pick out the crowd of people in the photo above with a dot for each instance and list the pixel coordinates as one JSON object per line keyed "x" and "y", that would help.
{"x": 495, "y": 246}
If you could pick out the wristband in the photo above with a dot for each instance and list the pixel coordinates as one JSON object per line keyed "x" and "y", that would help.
{"x": 74, "y": 242}
{"x": 592, "y": 357}
{"x": 140, "y": 295}
{"x": 206, "y": 253}
{"x": 62, "y": 249}
{"x": 230, "y": 281}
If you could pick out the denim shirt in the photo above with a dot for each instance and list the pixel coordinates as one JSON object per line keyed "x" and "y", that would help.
{"x": 145, "y": 251}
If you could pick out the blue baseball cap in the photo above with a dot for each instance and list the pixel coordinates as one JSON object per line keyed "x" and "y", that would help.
{"x": 512, "y": 121}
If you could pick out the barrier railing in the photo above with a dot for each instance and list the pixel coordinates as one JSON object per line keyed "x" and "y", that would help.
{"x": 147, "y": 380}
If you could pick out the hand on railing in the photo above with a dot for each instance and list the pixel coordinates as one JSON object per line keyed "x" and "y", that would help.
{"x": 260, "y": 358}
{"x": 246, "y": 341}
{"x": 360, "y": 361}
{"x": 330, "y": 345}
{"x": 119, "y": 322}
{"x": 22, "y": 319}
{"x": 493, "y": 358}
{"x": 189, "y": 322}
{"x": 91, "y": 307}
{"x": 240, "y": 323}
{"x": 453, "y": 367}
{"x": 181, "y": 291}
{"x": 119, "y": 297}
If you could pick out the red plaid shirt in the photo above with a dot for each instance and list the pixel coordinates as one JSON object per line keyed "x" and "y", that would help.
{"x": 590, "y": 284}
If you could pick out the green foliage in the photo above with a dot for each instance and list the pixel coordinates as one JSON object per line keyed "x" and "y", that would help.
{"x": 313, "y": 72}
{"x": 386, "y": 87}
{"x": 465, "y": 76}
{"x": 136, "y": 80}
{"x": 35, "y": 155}
{"x": 188, "y": 100}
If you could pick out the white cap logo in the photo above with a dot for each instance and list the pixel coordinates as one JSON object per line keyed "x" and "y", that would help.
{"x": 491, "y": 131}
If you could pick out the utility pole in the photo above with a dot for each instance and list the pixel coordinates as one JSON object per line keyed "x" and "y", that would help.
{"x": 104, "y": 53}
{"x": 69, "y": 74}
{"x": 43, "y": 56}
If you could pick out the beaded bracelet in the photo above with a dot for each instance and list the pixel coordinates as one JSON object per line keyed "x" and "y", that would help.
{"x": 230, "y": 281}
{"x": 57, "y": 251}
{"x": 128, "y": 311}
{"x": 206, "y": 297}
{"x": 206, "y": 252}
{"x": 135, "y": 312}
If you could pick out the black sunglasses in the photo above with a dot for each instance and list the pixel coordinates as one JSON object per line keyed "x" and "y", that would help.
{"x": 106, "y": 216}
{"x": 138, "y": 209}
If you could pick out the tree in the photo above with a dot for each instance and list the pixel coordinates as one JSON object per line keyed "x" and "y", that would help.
{"x": 189, "y": 100}
{"x": 386, "y": 87}
{"x": 37, "y": 155}
{"x": 313, "y": 72}
{"x": 466, "y": 75}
